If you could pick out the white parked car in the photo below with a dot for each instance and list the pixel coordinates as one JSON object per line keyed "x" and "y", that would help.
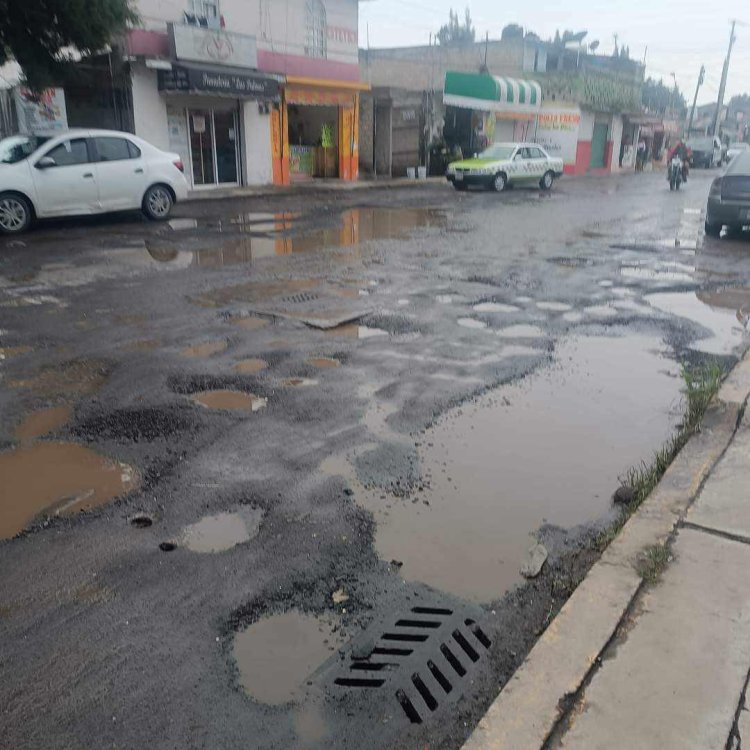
{"x": 85, "y": 172}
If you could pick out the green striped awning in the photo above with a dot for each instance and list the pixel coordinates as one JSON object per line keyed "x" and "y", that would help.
{"x": 491, "y": 93}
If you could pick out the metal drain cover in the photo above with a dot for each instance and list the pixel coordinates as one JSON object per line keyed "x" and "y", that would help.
{"x": 414, "y": 663}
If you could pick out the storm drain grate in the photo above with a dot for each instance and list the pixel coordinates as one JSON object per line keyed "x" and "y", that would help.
{"x": 301, "y": 298}
{"x": 423, "y": 658}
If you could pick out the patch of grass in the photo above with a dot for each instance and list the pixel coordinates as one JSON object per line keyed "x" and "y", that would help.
{"x": 701, "y": 385}
{"x": 653, "y": 561}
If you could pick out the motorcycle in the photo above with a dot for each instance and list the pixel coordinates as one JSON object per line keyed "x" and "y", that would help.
{"x": 675, "y": 172}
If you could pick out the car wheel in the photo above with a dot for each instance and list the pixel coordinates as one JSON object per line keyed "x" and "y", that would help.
{"x": 547, "y": 180}
{"x": 500, "y": 182}
{"x": 713, "y": 230}
{"x": 15, "y": 213}
{"x": 158, "y": 202}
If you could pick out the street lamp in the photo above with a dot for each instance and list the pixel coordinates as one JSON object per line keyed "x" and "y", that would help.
{"x": 673, "y": 94}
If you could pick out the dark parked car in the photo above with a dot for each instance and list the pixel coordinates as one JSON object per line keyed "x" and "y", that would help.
{"x": 729, "y": 198}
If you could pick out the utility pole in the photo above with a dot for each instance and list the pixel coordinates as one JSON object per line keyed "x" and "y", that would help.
{"x": 701, "y": 78}
{"x": 723, "y": 85}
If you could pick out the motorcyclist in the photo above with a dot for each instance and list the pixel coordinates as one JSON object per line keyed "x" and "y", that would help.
{"x": 681, "y": 150}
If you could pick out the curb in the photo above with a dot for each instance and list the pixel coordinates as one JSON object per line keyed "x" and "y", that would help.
{"x": 531, "y": 704}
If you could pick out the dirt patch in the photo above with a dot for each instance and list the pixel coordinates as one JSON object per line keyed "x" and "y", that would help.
{"x": 249, "y": 322}
{"x": 206, "y": 349}
{"x": 42, "y": 422}
{"x": 59, "y": 479}
{"x": 67, "y": 380}
{"x": 323, "y": 363}
{"x": 250, "y": 366}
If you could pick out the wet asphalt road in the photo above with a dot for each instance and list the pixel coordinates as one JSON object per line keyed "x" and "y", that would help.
{"x": 500, "y": 361}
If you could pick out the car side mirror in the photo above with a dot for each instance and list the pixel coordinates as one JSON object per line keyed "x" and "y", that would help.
{"x": 45, "y": 163}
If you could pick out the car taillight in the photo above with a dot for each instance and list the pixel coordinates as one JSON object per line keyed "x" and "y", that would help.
{"x": 715, "y": 187}
{"x": 178, "y": 163}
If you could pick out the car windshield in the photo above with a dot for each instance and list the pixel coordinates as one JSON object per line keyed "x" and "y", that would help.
{"x": 19, "y": 147}
{"x": 700, "y": 144}
{"x": 498, "y": 151}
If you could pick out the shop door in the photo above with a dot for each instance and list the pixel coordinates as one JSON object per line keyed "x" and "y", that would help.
{"x": 213, "y": 146}
{"x": 599, "y": 145}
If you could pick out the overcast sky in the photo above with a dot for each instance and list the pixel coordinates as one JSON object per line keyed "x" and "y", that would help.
{"x": 680, "y": 35}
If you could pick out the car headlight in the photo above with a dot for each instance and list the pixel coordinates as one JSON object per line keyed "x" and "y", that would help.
{"x": 451, "y": 169}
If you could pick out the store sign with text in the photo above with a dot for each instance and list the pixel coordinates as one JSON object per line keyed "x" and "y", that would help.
{"x": 557, "y": 132}
{"x": 212, "y": 46}
{"x": 185, "y": 79}
{"x": 41, "y": 113}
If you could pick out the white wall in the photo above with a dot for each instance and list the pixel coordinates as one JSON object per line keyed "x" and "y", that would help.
{"x": 257, "y": 167}
{"x": 149, "y": 108}
{"x": 586, "y": 128}
{"x": 278, "y": 25}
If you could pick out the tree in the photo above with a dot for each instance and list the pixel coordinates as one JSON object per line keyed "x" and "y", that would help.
{"x": 512, "y": 31}
{"x": 40, "y": 34}
{"x": 453, "y": 32}
{"x": 657, "y": 97}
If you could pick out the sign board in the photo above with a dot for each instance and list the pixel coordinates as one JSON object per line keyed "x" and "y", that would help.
{"x": 212, "y": 46}
{"x": 557, "y": 132}
{"x": 45, "y": 113}
{"x": 236, "y": 84}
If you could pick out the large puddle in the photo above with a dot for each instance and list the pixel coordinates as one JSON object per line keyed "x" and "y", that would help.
{"x": 69, "y": 379}
{"x": 42, "y": 422}
{"x": 57, "y": 478}
{"x": 549, "y": 449}
{"x": 243, "y": 240}
{"x": 276, "y": 654}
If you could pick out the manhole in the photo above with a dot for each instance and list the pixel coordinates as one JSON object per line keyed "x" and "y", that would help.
{"x": 420, "y": 661}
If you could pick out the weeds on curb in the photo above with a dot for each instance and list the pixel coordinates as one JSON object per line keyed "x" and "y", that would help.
{"x": 701, "y": 385}
{"x": 653, "y": 561}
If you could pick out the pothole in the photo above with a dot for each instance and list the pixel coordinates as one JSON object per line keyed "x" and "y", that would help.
{"x": 206, "y": 349}
{"x": 275, "y": 655}
{"x": 42, "y": 422}
{"x": 298, "y": 382}
{"x": 471, "y": 323}
{"x": 7, "y": 352}
{"x": 323, "y": 363}
{"x": 141, "y": 521}
{"x": 357, "y": 332}
{"x": 249, "y": 322}
{"x": 57, "y": 479}
{"x": 229, "y": 400}
{"x": 167, "y": 546}
{"x": 223, "y": 531}
{"x": 250, "y": 366}
{"x": 494, "y": 307}
{"x": 68, "y": 379}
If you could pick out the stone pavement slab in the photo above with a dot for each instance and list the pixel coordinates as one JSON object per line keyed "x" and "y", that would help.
{"x": 724, "y": 503}
{"x": 674, "y": 678}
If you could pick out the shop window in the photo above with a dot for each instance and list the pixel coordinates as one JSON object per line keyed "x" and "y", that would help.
{"x": 203, "y": 8}
{"x": 316, "y": 29}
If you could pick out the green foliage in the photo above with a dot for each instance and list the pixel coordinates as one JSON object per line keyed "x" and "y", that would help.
{"x": 326, "y": 136}
{"x": 37, "y": 34}
{"x": 653, "y": 561}
{"x": 456, "y": 33}
{"x": 658, "y": 97}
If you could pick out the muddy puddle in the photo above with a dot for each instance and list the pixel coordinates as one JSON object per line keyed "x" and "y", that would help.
{"x": 718, "y": 312}
{"x": 299, "y": 382}
{"x": 42, "y": 422}
{"x": 354, "y": 331}
{"x": 250, "y": 366}
{"x": 275, "y": 655}
{"x": 249, "y": 322}
{"x": 229, "y": 400}
{"x": 222, "y": 532}
{"x": 59, "y": 479}
{"x": 205, "y": 349}
{"x": 8, "y": 352}
{"x": 547, "y": 450}
{"x": 323, "y": 363}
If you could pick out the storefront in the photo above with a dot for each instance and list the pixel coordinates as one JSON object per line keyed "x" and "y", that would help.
{"x": 315, "y": 132}
{"x": 483, "y": 109}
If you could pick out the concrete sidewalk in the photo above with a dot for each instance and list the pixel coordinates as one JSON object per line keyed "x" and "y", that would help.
{"x": 313, "y": 186}
{"x": 630, "y": 663}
